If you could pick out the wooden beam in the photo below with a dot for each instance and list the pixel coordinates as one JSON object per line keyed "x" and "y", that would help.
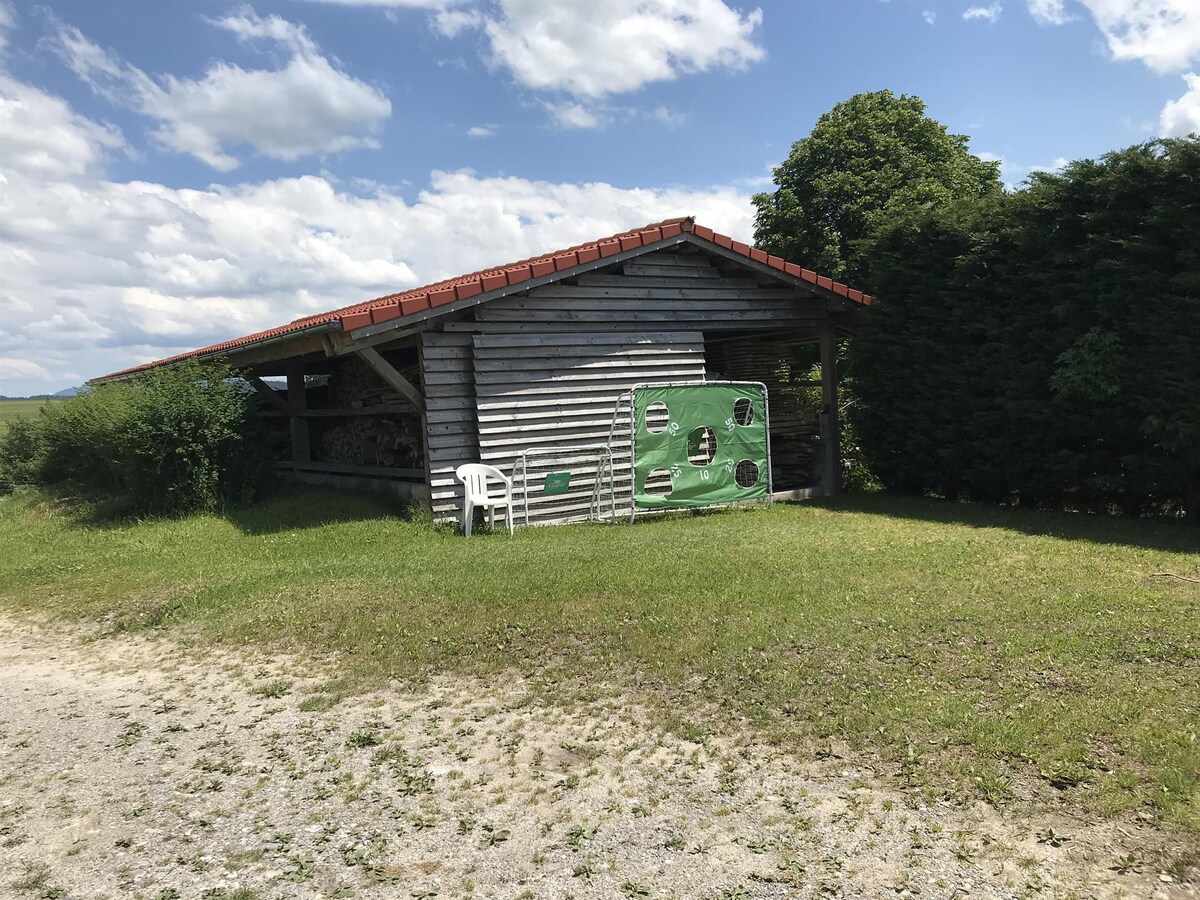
{"x": 272, "y": 352}
{"x": 388, "y": 373}
{"x": 831, "y": 435}
{"x": 345, "y": 469}
{"x": 268, "y": 393}
{"x": 341, "y": 344}
{"x": 297, "y": 402}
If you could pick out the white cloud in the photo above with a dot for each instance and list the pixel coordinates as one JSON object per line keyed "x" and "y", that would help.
{"x": 12, "y": 369}
{"x": 39, "y": 133}
{"x": 1163, "y": 34}
{"x": 97, "y": 275}
{"x": 1013, "y": 174}
{"x": 307, "y": 107}
{"x": 664, "y": 115}
{"x": 452, "y": 22}
{"x": 930, "y": 16}
{"x": 1049, "y": 12}
{"x": 482, "y": 131}
{"x": 575, "y": 115}
{"x": 1182, "y": 117}
{"x": 595, "y": 50}
{"x": 43, "y": 136}
{"x": 986, "y": 13}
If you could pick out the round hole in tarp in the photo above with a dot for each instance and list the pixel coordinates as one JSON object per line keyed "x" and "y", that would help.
{"x": 746, "y": 474}
{"x": 657, "y": 418}
{"x": 743, "y": 411}
{"x": 702, "y": 446}
{"x": 659, "y": 483}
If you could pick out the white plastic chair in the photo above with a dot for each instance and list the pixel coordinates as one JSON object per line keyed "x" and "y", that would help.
{"x": 474, "y": 477}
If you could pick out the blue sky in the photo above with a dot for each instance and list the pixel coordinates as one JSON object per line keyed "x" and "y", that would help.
{"x": 172, "y": 174}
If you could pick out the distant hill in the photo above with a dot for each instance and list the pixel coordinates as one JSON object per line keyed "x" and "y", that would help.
{"x": 65, "y": 392}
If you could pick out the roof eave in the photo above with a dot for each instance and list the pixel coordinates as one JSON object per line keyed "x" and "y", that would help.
{"x": 310, "y": 331}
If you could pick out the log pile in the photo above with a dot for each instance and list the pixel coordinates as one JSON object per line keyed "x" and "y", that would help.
{"x": 355, "y": 385}
{"x": 391, "y": 439}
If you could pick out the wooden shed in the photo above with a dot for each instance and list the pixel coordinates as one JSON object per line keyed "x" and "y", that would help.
{"x": 402, "y": 389}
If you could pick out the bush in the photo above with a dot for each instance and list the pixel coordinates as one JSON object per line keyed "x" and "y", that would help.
{"x": 176, "y": 440}
{"x": 1040, "y": 348}
{"x": 20, "y": 450}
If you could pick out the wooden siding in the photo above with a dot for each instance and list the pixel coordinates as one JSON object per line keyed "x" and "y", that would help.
{"x": 545, "y": 368}
{"x": 553, "y": 392}
{"x": 451, "y": 436}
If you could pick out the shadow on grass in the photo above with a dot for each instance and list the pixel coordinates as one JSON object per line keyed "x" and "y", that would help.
{"x": 296, "y": 507}
{"x": 285, "y": 508}
{"x": 1169, "y": 535}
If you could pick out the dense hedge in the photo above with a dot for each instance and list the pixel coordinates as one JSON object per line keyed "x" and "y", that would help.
{"x": 1043, "y": 347}
{"x": 177, "y": 440}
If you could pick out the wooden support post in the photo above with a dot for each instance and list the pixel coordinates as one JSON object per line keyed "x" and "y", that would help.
{"x": 831, "y": 432}
{"x": 388, "y": 373}
{"x": 297, "y": 402}
{"x": 268, "y": 393}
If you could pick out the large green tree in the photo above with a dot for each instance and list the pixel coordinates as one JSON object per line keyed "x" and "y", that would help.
{"x": 869, "y": 160}
{"x": 1041, "y": 347}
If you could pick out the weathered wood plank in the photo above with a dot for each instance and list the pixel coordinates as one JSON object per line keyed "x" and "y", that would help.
{"x": 388, "y": 373}
{"x": 640, "y": 269}
{"x": 501, "y": 342}
{"x": 586, "y": 364}
{"x": 668, "y": 292}
{"x": 450, "y": 431}
{"x": 667, "y": 258}
{"x": 555, "y": 354}
{"x": 297, "y": 401}
{"x": 494, "y": 392}
{"x": 490, "y": 382}
{"x": 697, "y": 317}
{"x": 366, "y": 471}
{"x": 831, "y": 474}
{"x": 614, "y": 307}
{"x": 669, "y": 281}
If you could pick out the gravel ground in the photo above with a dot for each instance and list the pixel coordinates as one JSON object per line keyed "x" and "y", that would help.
{"x": 135, "y": 768}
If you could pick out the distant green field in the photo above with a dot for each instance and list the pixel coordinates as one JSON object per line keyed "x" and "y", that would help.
{"x": 18, "y": 409}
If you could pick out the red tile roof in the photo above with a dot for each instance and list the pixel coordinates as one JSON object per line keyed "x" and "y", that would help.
{"x": 431, "y": 296}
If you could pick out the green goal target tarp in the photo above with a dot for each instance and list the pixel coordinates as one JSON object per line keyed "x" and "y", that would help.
{"x": 699, "y": 444}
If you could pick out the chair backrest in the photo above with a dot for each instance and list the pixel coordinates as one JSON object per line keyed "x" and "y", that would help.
{"x": 474, "y": 477}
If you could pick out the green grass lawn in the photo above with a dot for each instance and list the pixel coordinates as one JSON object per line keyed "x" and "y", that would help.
{"x": 18, "y": 409}
{"x": 991, "y": 652}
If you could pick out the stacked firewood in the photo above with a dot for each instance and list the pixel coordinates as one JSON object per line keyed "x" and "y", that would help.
{"x": 355, "y": 385}
{"x": 391, "y": 439}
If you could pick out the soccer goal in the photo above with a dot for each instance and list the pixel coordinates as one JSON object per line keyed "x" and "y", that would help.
{"x": 564, "y": 484}
{"x": 694, "y": 444}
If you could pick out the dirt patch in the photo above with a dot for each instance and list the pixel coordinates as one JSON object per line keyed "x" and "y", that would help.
{"x": 133, "y": 768}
